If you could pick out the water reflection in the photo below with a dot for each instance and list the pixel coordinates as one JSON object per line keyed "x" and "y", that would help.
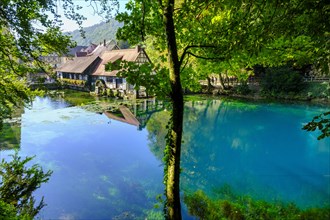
{"x": 135, "y": 113}
{"x": 113, "y": 170}
{"x": 10, "y": 137}
{"x": 10, "y": 134}
{"x": 101, "y": 170}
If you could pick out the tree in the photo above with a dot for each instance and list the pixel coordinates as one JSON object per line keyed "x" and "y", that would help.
{"x": 17, "y": 183}
{"x": 26, "y": 33}
{"x": 30, "y": 29}
{"x": 142, "y": 75}
{"x": 223, "y": 32}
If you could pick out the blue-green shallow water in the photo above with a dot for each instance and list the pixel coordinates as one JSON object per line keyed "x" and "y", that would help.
{"x": 106, "y": 169}
{"x": 258, "y": 150}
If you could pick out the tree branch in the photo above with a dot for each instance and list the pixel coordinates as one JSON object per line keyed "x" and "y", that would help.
{"x": 184, "y": 66}
{"x": 207, "y": 58}
{"x": 185, "y": 51}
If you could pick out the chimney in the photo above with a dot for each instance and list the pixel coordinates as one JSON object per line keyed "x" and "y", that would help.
{"x": 104, "y": 43}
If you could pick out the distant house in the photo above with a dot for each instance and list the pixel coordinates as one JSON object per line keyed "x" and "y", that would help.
{"x": 91, "y": 67}
{"x": 55, "y": 61}
{"x": 110, "y": 78}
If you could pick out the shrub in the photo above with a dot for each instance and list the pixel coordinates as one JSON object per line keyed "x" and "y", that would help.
{"x": 7, "y": 211}
{"x": 17, "y": 186}
{"x": 243, "y": 89}
{"x": 76, "y": 82}
{"x": 41, "y": 79}
{"x": 279, "y": 80}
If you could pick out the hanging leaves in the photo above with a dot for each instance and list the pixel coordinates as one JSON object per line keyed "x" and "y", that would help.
{"x": 320, "y": 122}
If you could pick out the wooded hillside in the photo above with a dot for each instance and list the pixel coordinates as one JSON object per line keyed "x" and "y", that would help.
{"x": 96, "y": 33}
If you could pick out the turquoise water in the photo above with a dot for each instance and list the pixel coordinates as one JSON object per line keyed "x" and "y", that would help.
{"x": 258, "y": 150}
{"x": 106, "y": 169}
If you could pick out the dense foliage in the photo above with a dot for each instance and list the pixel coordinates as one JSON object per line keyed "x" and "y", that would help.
{"x": 279, "y": 80}
{"x": 26, "y": 33}
{"x": 233, "y": 34}
{"x": 30, "y": 29}
{"x": 233, "y": 207}
{"x": 17, "y": 184}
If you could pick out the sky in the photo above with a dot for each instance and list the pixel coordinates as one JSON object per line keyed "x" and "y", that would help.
{"x": 88, "y": 12}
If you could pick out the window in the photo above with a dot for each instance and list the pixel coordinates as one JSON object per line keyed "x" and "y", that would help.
{"x": 109, "y": 79}
{"x": 119, "y": 80}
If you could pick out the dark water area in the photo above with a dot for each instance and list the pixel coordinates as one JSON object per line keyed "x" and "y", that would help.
{"x": 109, "y": 169}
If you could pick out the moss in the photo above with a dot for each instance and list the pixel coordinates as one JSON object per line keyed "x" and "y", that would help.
{"x": 154, "y": 215}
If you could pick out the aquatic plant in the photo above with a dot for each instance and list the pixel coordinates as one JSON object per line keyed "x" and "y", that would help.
{"x": 247, "y": 208}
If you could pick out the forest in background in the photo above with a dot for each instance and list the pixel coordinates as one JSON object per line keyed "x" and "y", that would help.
{"x": 96, "y": 33}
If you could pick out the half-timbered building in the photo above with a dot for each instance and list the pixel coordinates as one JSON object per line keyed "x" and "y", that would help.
{"x": 91, "y": 68}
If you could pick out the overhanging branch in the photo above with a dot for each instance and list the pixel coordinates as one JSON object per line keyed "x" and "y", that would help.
{"x": 206, "y": 58}
{"x": 185, "y": 51}
{"x": 184, "y": 66}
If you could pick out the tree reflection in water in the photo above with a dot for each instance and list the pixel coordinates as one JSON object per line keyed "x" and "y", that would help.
{"x": 258, "y": 149}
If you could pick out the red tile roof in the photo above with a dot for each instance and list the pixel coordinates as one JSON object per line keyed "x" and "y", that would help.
{"x": 112, "y": 56}
{"x": 80, "y": 64}
{"x": 77, "y": 64}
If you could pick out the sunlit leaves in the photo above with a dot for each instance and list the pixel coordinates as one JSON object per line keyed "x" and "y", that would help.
{"x": 223, "y": 16}
{"x": 153, "y": 78}
{"x": 29, "y": 29}
{"x": 143, "y": 19}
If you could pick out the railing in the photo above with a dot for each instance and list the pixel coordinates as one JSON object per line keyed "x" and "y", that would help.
{"x": 256, "y": 80}
{"x": 316, "y": 79}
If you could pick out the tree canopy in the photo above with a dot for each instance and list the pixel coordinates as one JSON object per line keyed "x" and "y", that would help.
{"x": 187, "y": 35}
{"x": 30, "y": 29}
{"x": 232, "y": 35}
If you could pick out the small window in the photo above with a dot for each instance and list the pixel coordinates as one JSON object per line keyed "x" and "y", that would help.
{"x": 119, "y": 80}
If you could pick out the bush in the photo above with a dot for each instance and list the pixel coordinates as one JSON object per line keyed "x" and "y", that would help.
{"x": 317, "y": 90}
{"x": 76, "y": 82}
{"x": 41, "y": 79}
{"x": 243, "y": 89}
{"x": 7, "y": 211}
{"x": 17, "y": 186}
{"x": 281, "y": 80}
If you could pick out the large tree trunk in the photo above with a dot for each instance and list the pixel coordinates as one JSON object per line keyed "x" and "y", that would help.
{"x": 173, "y": 150}
{"x": 210, "y": 87}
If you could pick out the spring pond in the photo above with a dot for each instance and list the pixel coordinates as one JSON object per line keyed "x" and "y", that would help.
{"x": 110, "y": 169}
